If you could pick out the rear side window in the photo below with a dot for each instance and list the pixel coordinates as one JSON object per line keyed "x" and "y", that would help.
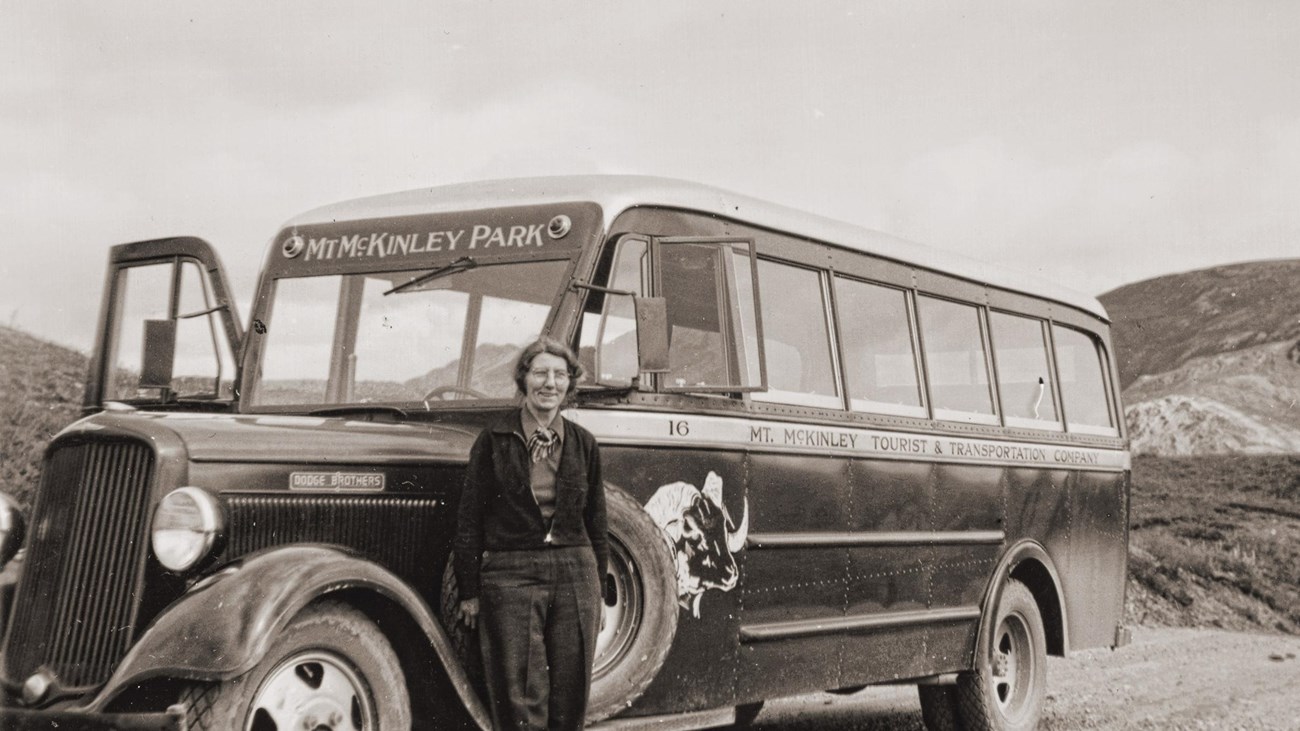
{"x": 953, "y": 340}
{"x": 796, "y": 337}
{"x": 879, "y": 358}
{"x": 1083, "y": 385}
{"x": 1024, "y": 378}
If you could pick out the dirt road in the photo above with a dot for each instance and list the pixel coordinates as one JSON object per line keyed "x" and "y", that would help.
{"x": 1166, "y": 679}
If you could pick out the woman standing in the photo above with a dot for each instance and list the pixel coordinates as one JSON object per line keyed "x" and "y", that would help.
{"x": 531, "y": 548}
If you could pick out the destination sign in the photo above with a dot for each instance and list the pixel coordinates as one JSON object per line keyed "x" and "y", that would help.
{"x": 399, "y": 242}
{"x": 380, "y": 244}
{"x": 338, "y": 481}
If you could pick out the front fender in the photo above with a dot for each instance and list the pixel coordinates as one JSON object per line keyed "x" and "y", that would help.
{"x": 225, "y": 625}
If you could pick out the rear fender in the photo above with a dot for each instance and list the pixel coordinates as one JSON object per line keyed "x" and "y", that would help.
{"x": 224, "y": 626}
{"x": 1046, "y": 587}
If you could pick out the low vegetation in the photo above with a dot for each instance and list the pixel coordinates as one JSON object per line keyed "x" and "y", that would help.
{"x": 1215, "y": 541}
{"x": 40, "y": 393}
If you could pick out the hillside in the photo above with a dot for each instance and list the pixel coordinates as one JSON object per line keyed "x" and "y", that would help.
{"x": 40, "y": 393}
{"x": 1210, "y": 359}
{"x": 1160, "y": 324}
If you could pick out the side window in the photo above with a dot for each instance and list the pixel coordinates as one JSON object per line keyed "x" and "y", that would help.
{"x": 1083, "y": 388}
{"x": 1024, "y": 378}
{"x": 296, "y": 365}
{"x": 955, "y": 361}
{"x": 712, "y": 326}
{"x": 796, "y": 337}
{"x": 202, "y": 363}
{"x": 879, "y": 358}
{"x": 608, "y": 348}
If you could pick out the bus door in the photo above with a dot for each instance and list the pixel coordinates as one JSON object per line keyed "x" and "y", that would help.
{"x": 688, "y": 463}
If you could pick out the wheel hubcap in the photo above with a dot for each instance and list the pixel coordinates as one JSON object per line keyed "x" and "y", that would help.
{"x": 313, "y": 691}
{"x": 621, "y": 602}
{"x": 1010, "y": 665}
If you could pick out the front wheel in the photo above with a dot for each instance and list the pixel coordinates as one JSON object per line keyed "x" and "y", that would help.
{"x": 330, "y": 670}
{"x": 639, "y": 593}
{"x": 1007, "y": 688}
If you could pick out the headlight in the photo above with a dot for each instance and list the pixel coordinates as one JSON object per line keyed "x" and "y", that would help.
{"x": 185, "y": 527}
{"x": 12, "y": 528}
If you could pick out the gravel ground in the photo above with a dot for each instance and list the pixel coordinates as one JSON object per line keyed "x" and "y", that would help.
{"x": 1165, "y": 679}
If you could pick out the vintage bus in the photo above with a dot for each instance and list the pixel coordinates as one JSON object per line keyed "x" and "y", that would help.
{"x": 833, "y": 459}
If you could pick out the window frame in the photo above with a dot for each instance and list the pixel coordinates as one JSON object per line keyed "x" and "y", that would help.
{"x": 797, "y": 398}
{"x": 1016, "y": 422}
{"x": 953, "y": 415}
{"x": 1107, "y": 388}
{"x": 724, "y": 299}
{"x": 617, "y": 245}
{"x": 921, "y": 411}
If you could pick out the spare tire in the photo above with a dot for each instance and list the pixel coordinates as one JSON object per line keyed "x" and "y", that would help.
{"x": 640, "y": 610}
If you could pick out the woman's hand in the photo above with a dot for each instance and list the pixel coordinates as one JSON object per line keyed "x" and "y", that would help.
{"x": 469, "y": 612}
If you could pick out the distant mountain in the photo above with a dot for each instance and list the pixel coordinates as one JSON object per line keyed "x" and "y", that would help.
{"x": 494, "y": 372}
{"x": 1160, "y": 324}
{"x": 1210, "y": 360}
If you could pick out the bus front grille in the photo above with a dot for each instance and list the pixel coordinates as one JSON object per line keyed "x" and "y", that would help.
{"x": 400, "y": 532}
{"x": 75, "y": 609}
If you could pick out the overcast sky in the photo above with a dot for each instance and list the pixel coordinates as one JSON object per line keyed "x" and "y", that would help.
{"x": 1092, "y": 143}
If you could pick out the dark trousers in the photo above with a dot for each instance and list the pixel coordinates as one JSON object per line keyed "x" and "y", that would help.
{"x": 540, "y": 613}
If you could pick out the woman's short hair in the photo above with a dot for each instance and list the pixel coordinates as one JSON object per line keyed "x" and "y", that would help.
{"x": 553, "y": 347}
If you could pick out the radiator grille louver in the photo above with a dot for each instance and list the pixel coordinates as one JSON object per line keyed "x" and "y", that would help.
{"x": 399, "y": 532}
{"x": 75, "y": 610}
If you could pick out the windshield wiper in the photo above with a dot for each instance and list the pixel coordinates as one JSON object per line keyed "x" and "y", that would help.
{"x": 462, "y": 264}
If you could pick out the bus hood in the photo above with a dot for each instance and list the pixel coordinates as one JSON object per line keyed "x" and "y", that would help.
{"x": 288, "y": 439}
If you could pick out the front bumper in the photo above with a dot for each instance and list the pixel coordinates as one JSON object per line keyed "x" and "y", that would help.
{"x": 20, "y": 719}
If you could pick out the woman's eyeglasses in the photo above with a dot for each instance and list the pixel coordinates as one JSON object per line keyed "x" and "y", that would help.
{"x": 540, "y": 375}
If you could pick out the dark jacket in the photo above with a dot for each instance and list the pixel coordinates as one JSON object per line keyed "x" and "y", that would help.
{"x": 499, "y": 513}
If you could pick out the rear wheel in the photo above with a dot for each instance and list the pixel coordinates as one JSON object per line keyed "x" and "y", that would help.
{"x": 330, "y": 670}
{"x": 1006, "y": 690}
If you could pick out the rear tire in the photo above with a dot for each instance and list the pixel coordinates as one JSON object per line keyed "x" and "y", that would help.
{"x": 330, "y": 668}
{"x": 1007, "y": 688}
{"x": 639, "y": 594}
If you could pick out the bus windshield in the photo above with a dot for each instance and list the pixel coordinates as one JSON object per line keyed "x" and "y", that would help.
{"x": 402, "y": 336}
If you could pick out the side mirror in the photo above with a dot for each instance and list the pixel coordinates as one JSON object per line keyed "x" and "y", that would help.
{"x": 651, "y": 333}
{"x": 159, "y": 354}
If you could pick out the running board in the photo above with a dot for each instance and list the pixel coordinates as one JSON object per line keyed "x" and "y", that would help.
{"x": 671, "y": 722}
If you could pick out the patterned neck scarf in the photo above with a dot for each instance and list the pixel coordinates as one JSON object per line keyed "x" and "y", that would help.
{"x": 542, "y": 443}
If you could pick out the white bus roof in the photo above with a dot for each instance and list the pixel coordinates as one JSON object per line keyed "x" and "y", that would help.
{"x": 617, "y": 193}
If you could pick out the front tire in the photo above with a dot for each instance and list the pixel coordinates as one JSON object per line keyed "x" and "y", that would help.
{"x": 640, "y": 608}
{"x": 330, "y": 669}
{"x": 1007, "y": 688}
